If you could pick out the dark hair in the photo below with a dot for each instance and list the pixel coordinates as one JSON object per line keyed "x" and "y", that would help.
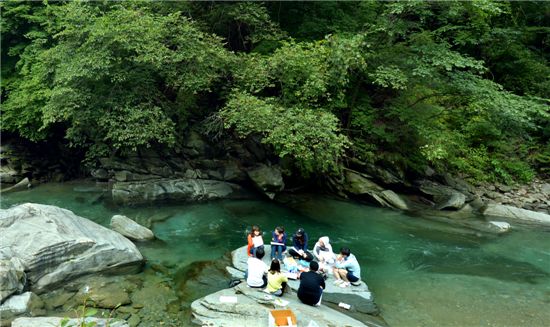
{"x": 345, "y": 251}
{"x": 313, "y": 266}
{"x": 275, "y": 266}
{"x": 255, "y": 228}
{"x": 280, "y": 229}
{"x": 260, "y": 253}
{"x": 300, "y": 235}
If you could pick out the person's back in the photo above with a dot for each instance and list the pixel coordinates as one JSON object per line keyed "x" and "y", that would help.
{"x": 256, "y": 270}
{"x": 352, "y": 265}
{"x": 311, "y": 286}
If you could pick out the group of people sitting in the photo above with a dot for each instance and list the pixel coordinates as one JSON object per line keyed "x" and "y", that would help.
{"x": 316, "y": 266}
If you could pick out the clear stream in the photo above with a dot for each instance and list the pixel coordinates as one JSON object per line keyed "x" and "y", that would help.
{"x": 422, "y": 273}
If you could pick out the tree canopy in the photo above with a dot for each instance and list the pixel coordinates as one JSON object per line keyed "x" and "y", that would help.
{"x": 460, "y": 86}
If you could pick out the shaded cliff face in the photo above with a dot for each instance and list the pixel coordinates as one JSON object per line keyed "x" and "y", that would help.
{"x": 39, "y": 162}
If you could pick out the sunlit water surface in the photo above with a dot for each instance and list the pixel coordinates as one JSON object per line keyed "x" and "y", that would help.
{"x": 422, "y": 273}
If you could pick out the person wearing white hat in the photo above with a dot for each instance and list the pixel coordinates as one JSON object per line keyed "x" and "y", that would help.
{"x": 323, "y": 253}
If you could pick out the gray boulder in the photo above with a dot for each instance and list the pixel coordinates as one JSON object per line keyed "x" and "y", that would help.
{"x": 130, "y": 228}
{"x": 445, "y": 197}
{"x": 268, "y": 179}
{"x": 517, "y": 214}
{"x": 174, "y": 190}
{"x": 56, "y": 321}
{"x": 394, "y": 200}
{"x": 359, "y": 184}
{"x": 12, "y": 277}
{"x": 26, "y": 303}
{"x": 55, "y": 245}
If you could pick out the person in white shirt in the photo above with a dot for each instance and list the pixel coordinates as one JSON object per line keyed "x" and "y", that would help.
{"x": 323, "y": 253}
{"x": 257, "y": 270}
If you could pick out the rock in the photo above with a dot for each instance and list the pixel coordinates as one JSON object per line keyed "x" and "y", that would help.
{"x": 358, "y": 296}
{"x": 24, "y": 184}
{"x": 100, "y": 174}
{"x": 500, "y": 226}
{"x": 504, "y": 188}
{"x": 545, "y": 189}
{"x": 517, "y": 214}
{"x": 8, "y": 175}
{"x": 134, "y": 320}
{"x": 174, "y": 190}
{"x": 55, "y": 245}
{"x": 26, "y": 303}
{"x": 444, "y": 196}
{"x": 56, "y": 321}
{"x": 358, "y": 184}
{"x": 130, "y": 228}
{"x": 394, "y": 199}
{"x": 12, "y": 277}
{"x": 210, "y": 311}
{"x": 127, "y": 176}
{"x": 194, "y": 145}
{"x": 268, "y": 179}
{"x": 454, "y": 201}
{"x": 56, "y": 298}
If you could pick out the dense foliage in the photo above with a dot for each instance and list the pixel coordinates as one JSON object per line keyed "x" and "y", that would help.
{"x": 459, "y": 86}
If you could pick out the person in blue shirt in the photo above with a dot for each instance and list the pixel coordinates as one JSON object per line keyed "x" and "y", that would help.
{"x": 299, "y": 248}
{"x": 278, "y": 243}
{"x": 347, "y": 271}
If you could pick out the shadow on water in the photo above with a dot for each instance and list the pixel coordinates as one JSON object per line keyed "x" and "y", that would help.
{"x": 474, "y": 263}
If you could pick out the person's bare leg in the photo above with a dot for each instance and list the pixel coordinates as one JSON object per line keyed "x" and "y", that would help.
{"x": 336, "y": 273}
{"x": 343, "y": 274}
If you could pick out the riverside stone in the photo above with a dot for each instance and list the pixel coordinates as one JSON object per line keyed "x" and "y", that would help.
{"x": 522, "y": 215}
{"x": 174, "y": 190}
{"x": 394, "y": 199}
{"x": 26, "y": 303}
{"x": 55, "y": 245}
{"x": 130, "y": 228}
{"x": 21, "y": 186}
{"x": 358, "y": 184}
{"x": 12, "y": 277}
{"x": 268, "y": 179}
{"x": 56, "y": 321}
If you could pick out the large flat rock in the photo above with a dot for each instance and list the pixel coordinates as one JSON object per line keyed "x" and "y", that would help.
{"x": 359, "y": 297}
{"x": 166, "y": 190}
{"x": 252, "y": 308}
{"x": 517, "y": 214}
{"x": 55, "y": 245}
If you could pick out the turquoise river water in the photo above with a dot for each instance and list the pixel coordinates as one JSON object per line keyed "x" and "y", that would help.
{"x": 422, "y": 273}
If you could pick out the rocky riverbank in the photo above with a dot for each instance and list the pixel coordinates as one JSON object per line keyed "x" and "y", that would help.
{"x": 202, "y": 170}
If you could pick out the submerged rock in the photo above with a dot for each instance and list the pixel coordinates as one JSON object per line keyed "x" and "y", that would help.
{"x": 174, "y": 190}
{"x": 130, "y": 228}
{"x": 55, "y": 245}
{"x": 473, "y": 262}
